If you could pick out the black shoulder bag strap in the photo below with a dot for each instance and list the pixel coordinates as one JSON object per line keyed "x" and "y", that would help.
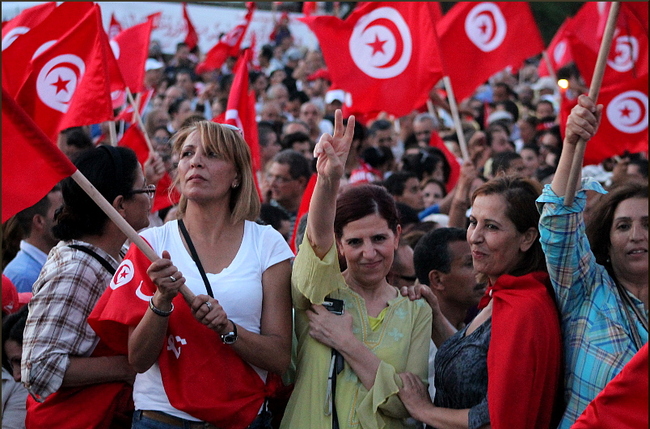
{"x": 195, "y": 256}
{"x": 94, "y": 254}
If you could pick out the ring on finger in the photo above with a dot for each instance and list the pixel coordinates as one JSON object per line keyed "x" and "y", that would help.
{"x": 209, "y": 304}
{"x": 172, "y": 278}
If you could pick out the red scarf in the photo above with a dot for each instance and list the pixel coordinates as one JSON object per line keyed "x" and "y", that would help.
{"x": 525, "y": 355}
{"x": 201, "y": 376}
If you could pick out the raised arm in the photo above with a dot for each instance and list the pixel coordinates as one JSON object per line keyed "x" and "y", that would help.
{"x": 332, "y": 153}
{"x": 582, "y": 123}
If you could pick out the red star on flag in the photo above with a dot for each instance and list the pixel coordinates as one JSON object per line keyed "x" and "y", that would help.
{"x": 61, "y": 85}
{"x": 377, "y": 45}
{"x": 625, "y": 112}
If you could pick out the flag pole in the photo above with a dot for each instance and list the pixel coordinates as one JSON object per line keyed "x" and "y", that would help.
{"x": 594, "y": 90}
{"x": 549, "y": 66}
{"x": 138, "y": 118}
{"x": 456, "y": 117}
{"x": 111, "y": 133}
{"x": 123, "y": 225}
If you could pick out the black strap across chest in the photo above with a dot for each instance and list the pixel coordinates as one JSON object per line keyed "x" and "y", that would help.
{"x": 195, "y": 256}
{"x": 94, "y": 254}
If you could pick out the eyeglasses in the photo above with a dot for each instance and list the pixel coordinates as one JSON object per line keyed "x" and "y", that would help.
{"x": 150, "y": 190}
{"x": 272, "y": 178}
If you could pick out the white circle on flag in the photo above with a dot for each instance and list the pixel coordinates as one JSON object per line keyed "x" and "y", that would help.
{"x": 381, "y": 44}
{"x": 626, "y": 49}
{"x": 12, "y": 35}
{"x": 486, "y": 27}
{"x": 559, "y": 51}
{"x": 628, "y": 112}
{"x": 123, "y": 275}
{"x": 115, "y": 47}
{"x": 58, "y": 80}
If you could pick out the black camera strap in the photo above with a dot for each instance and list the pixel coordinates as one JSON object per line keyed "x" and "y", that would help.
{"x": 94, "y": 254}
{"x": 195, "y": 256}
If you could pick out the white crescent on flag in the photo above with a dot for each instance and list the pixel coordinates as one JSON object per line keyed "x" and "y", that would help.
{"x": 628, "y": 112}
{"x": 626, "y": 49}
{"x": 486, "y": 27}
{"x": 58, "y": 79}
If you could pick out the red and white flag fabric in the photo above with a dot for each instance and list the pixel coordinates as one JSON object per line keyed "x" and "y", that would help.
{"x": 385, "y": 55}
{"x": 17, "y": 57}
{"x": 192, "y": 38}
{"x": 114, "y": 28}
{"x": 558, "y": 51}
{"x": 240, "y": 110}
{"x": 68, "y": 84}
{"x": 25, "y": 21}
{"x": 479, "y": 39}
{"x": 134, "y": 139}
{"x": 131, "y": 49}
{"x": 454, "y": 165}
{"x": 228, "y": 45}
{"x": 31, "y": 163}
{"x": 628, "y": 56}
{"x": 303, "y": 209}
{"x": 308, "y": 7}
{"x": 166, "y": 194}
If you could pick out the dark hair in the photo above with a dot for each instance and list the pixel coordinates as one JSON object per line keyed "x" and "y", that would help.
{"x": 265, "y": 129}
{"x": 406, "y": 214}
{"x": 602, "y": 217}
{"x": 501, "y": 161}
{"x": 437, "y": 182}
{"x": 77, "y": 137}
{"x": 520, "y": 195}
{"x": 396, "y": 182}
{"x": 642, "y": 164}
{"x": 432, "y": 251}
{"x": 300, "y": 96}
{"x": 112, "y": 170}
{"x": 272, "y": 215}
{"x": 376, "y": 156}
{"x": 13, "y": 326}
{"x": 359, "y": 201}
{"x": 266, "y": 51}
{"x": 290, "y": 139}
{"x": 298, "y": 165}
{"x": 360, "y": 131}
{"x": 25, "y": 216}
{"x": 379, "y": 125}
{"x": 175, "y": 106}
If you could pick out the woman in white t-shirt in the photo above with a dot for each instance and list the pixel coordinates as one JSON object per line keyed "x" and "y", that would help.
{"x": 217, "y": 371}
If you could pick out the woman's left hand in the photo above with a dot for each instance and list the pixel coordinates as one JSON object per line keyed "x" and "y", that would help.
{"x": 209, "y": 312}
{"x": 328, "y": 328}
{"x": 414, "y": 394}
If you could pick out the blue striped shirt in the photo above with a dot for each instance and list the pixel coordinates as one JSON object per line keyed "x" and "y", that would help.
{"x": 597, "y": 333}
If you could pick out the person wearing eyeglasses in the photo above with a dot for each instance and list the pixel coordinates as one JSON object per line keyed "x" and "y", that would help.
{"x": 210, "y": 363}
{"x": 74, "y": 380}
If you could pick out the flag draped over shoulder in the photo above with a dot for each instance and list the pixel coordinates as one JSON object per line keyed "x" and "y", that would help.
{"x": 479, "y": 39}
{"x": 31, "y": 163}
{"x": 228, "y": 45}
{"x": 69, "y": 83}
{"x": 25, "y": 21}
{"x": 385, "y": 55}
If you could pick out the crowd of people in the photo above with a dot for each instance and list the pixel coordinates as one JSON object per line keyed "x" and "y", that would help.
{"x": 416, "y": 298}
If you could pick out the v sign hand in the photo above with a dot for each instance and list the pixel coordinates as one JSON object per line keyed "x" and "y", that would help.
{"x": 332, "y": 150}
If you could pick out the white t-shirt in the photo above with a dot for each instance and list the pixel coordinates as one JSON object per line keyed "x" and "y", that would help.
{"x": 238, "y": 288}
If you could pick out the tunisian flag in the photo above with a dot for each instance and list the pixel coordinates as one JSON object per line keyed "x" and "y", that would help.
{"x": 25, "y": 21}
{"x": 31, "y": 163}
{"x": 240, "y": 110}
{"x": 559, "y": 51}
{"x": 131, "y": 49}
{"x": 228, "y": 45}
{"x": 479, "y": 39}
{"x": 623, "y": 403}
{"x": 114, "y": 28}
{"x": 192, "y": 38}
{"x": 628, "y": 56}
{"x": 624, "y": 125}
{"x": 385, "y": 55}
{"x": 68, "y": 84}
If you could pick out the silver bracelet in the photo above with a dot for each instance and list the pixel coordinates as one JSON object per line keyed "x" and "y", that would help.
{"x": 158, "y": 311}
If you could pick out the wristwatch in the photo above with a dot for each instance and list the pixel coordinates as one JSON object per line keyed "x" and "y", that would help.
{"x": 229, "y": 338}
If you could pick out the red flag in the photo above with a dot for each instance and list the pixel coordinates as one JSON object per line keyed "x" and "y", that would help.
{"x": 126, "y": 114}
{"x": 436, "y": 141}
{"x": 240, "y": 110}
{"x": 31, "y": 163}
{"x": 17, "y": 57}
{"x": 133, "y": 138}
{"x": 624, "y": 124}
{"x": 131, "y": 49}
{"x": 114, "y": 27}
{"x": 192, "y": 39}
{"x": 308, "y": 7}
{"x": 166, "y": 195}
{"x": 479, "y": 39}
{"x": 558, "y": 51}
{"x": 25, "y": 21}
{"x": 628, "y": 57}
{"x": 67, "y": 84}
{"x": 623, "y": 403}
{"x": 385, "y": 55}
{"x": 228, "y": 45}
{"x": 303, "y": 209}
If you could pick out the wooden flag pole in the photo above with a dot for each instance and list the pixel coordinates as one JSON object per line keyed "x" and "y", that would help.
{"x": 454, "y": 114}
{"x": 123, "y": 225}
{"x": 138, "y": 118}
{"x": 111, "y": 133}
{"x": 594, "y": 90}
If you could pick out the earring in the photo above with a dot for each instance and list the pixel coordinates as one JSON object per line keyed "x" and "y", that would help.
{"x": 235, "y": 185}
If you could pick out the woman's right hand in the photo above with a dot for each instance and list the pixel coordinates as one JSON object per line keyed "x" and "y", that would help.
{"x": 332, "y": 150}
{"x": 583, "y": 121}
{"x": 166, "y": 277}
